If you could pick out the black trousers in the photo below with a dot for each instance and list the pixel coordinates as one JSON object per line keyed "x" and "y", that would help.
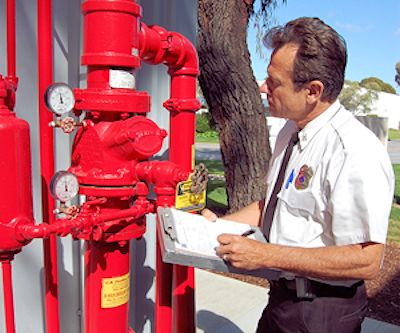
{"x": 333, "y": 310}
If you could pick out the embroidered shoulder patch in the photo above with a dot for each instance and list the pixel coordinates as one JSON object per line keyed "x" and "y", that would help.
{"x": 303, "y": 178}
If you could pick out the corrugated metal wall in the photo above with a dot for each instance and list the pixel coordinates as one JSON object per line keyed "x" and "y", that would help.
{"x": 177, "y": 15}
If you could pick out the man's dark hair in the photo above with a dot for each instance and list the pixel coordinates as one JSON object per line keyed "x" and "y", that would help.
{"x": 321, "y": 55}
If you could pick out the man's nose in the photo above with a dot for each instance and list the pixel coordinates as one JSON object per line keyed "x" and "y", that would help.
{"x": 264, "y": 88}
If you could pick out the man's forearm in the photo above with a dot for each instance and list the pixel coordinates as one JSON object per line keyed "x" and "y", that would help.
{"x": 336, "y": 262}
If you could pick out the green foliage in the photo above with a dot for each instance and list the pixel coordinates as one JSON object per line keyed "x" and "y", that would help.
{"x": 376, "y": 84}
{"x": 208, "y": 137}
{"x": 357, "y": 100}
{"x": 397, "y": 77}
{"x": 203, "y": 124}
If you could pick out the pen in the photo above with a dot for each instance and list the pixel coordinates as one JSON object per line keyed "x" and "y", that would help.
{"x": 248, "y": 233}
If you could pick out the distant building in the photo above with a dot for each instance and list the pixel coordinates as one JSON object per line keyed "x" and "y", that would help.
{"x": 388, "y": 106}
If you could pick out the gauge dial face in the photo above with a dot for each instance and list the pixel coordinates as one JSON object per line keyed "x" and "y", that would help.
{"x": 64, "y": 186}
{"x": 60, "y": 98}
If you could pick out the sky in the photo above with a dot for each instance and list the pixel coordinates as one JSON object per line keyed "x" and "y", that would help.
{"x": 371, "y": 29}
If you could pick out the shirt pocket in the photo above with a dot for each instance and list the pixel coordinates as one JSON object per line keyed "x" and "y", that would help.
{"x": 299, "y": 203}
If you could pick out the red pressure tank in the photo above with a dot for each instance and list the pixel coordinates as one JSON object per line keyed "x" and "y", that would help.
{"x": 15, "y": 176}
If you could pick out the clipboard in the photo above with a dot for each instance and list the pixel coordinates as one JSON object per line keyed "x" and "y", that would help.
{"x": 176, "y": 227}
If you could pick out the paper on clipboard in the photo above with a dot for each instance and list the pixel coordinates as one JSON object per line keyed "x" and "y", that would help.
{"x": 190, "y": 240}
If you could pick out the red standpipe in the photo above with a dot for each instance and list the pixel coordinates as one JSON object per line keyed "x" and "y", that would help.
{"x": 106, "y": 153}
{"x": 45, "y": 63}
{"x": 175, "y": 51}
{"x": 182, "y": 127}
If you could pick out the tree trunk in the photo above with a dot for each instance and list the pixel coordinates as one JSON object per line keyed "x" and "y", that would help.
{"x": 233, "y": 97}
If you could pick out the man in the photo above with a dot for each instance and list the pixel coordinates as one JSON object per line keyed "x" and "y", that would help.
{"x": 329, "y": 222}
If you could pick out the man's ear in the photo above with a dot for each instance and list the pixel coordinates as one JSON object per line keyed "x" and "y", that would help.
{"x": 315, "y": 90}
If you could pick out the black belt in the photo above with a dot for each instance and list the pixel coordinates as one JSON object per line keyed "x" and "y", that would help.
{"x": 304, "y": 288}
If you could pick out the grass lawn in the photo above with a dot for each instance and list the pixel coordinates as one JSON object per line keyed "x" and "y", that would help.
{"x": 394, "y": 226}
{"x": 394, "y": 134}
{"x": 217, "y": 198}
{"x": 209, "y": 137}
{"x": 396, "y": 169}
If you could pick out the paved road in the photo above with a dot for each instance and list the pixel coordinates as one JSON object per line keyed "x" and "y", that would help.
{"x": 208, "y": 151}
{"x": 394, "y": 151}
{"x": 211, "y": 151}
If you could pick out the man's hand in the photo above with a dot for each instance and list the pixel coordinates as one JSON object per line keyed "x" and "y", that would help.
{"x": 241, "y": 252}
{"x": 209, "y": 215}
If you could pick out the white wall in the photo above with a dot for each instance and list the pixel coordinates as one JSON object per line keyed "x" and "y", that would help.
{"x": 28, "y": 285}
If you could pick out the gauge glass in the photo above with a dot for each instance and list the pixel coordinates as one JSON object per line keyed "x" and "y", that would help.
{"x": 60, "y": 98}
{"x": 64, "y": 186}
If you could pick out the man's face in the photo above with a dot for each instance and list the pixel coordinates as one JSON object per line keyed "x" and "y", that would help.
{"x": 284, "y": 99}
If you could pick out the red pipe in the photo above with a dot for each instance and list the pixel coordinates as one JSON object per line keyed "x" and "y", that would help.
{"x": 45, "y": 63}
{"x": 181, "y": 58}
{"x": 8, "y": 296}
{"x": 11, "y": 71}
{"x": 101, "y": 317}
{"x": 181, "y": 149}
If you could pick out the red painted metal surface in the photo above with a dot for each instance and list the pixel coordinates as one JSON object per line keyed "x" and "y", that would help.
{"x": 161, "y": 46}
{"x": 8, "y": 294}
{"x": 105, "y": 155}
{"x": 106, "y": 263}
{"x": 110, "y": 158}
{"x": 182, "y": 126}
{"x": 11, "y": 49}
{"x": 45, "y": 72}
{"x": 111, "y": 33}
{"x": 15, "y": 173}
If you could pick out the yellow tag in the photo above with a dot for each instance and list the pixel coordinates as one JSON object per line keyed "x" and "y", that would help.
{"x": 114, "y": 291}
{"x": 188, "y": 201}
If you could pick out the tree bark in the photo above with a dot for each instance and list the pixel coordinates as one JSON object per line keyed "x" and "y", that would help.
{"x": 233, "y": 97}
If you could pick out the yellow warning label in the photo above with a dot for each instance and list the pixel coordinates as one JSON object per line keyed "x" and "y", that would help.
{"x": 114, "y": 291}
{"x": 186, "y": 200}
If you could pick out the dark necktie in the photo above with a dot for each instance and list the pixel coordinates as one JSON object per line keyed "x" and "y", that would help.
{"x": 270, "y": 211}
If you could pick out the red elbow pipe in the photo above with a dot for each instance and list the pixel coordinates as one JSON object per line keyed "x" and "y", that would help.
{"x": 160, "y": 46}
{"x": 45, "y": 62}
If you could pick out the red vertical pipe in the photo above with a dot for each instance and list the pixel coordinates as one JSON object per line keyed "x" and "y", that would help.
{"x": 163, "y": 306}
{"x": 106, "y": 263}
{"x": 181, "y": 152}
{"x": 8, "y": 296}
{"x": 45, "y": 62}
{"x": 11, "y": 71}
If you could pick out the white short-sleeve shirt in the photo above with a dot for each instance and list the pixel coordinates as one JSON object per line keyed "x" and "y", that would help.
{"x": 338, "y": 187}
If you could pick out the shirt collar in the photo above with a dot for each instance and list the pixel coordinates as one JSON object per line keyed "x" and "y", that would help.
{"x": 308, "y": 132}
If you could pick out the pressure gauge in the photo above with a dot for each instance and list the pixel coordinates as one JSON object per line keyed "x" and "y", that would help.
{"x": 64, "y": 186}
{"x": 60, "y": 98}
